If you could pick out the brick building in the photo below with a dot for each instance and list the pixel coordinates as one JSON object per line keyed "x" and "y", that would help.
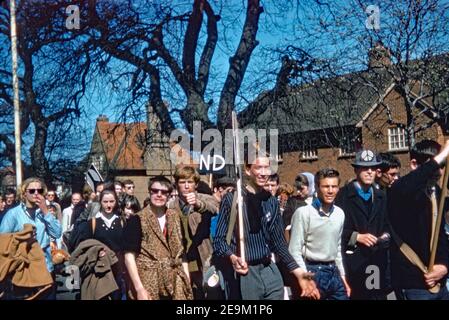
{"x": 130, "y": 151}
{"x": 324, "y": 123}
{"x": 320, "y": 124}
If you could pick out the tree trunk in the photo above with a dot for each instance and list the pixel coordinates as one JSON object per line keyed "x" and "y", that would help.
{"x": 238, "y": 64}
{"x": 196, "y": 110}
{"x": 39, "y": 162}
{"x": 410, "y": 130}
{"x": 157, "y": 104}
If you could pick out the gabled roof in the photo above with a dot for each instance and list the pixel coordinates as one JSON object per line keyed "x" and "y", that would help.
{"x": 347, "y": 99}
{"x": 328, "y": 103}
{"x": 123, "y": 144}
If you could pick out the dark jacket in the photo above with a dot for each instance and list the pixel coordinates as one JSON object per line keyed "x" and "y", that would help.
{"x": 73, "y": 237}
{"x": 359, "y": 220}
{"x": 96, "y": 271}
{"x": 410, "y": 216}
{"x": 92, "y": 209}
{"x": 293, "y": 203}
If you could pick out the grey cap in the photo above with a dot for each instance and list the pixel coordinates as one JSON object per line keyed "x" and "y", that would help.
{"x": 366, "y": 158}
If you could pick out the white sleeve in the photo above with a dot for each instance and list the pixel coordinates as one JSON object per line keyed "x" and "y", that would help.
{"x": 297, "y": 236}
{"x": 338, "y": 259}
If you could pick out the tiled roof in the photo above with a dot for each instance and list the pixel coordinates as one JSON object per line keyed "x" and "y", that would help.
{"x": 123, "y": 144}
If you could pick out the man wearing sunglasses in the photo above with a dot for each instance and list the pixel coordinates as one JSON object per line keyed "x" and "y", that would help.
{"x": 129, "y": 187}
{"x": 33, "y": 209}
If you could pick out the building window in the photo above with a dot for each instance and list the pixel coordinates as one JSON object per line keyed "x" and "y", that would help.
{"x": 397, "y": 139}
{"x": 308, "y": 151}
{"x": 98, "y": 161}
{"x": 347, "y": 146}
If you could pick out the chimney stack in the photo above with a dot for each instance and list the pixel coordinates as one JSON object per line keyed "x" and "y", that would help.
{"x": 379, "y": 56}
{"x": 102, "y": 118}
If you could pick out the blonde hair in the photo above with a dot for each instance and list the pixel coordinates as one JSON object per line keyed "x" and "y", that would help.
{"x": 186, "y": 172}
{"x": 26, "y": 183}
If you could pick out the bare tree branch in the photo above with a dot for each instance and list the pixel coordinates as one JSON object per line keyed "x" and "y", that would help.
{"x": 209, "y": 48}
{"x": 164, "y": 53}
{"x": 239, "y": 63}
{"x": 191, "y": 40}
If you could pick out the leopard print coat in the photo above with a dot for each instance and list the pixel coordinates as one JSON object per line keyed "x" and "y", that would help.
{"x": 160, "y": 261}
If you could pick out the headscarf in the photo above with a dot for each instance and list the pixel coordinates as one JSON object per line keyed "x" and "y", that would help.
{"x": 311, "y": 178}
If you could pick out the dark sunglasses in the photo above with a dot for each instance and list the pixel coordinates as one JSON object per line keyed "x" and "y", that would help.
{"x": 156, "y": 191}
{"x": 33, "y": 191}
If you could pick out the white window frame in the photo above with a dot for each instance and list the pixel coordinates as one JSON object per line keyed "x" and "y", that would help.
{"x": 308, "y": 151}
{"x": 397, "y": 139}
{"x": 343, "y": 153}
{"x": 343, "y": 150}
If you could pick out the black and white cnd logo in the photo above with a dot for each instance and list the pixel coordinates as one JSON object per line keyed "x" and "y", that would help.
{"x": 367, "y": 155}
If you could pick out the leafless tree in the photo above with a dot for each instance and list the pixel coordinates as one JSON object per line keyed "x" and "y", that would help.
{"x": 406, "y": 41}
{"x": 168, "y": 49}
{"x": 50, "y": 83}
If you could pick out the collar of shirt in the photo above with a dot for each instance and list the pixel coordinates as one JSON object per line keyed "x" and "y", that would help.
{"x": 185, "y": 208}
{"x": 24, "y": 208}
{"x": 316, "y": 203}
{"x": 365, "y": 195}
{"x": 108, "y": 222}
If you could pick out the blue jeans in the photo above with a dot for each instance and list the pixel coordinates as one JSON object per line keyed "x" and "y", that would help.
{"x": 329, "y": 281}
{"x": 423, "y": 294}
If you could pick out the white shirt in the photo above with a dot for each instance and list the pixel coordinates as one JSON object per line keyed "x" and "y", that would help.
{"x": 107, "y": 222}
{"x": 162, "y": 221}
{"x": 66, "y": 217}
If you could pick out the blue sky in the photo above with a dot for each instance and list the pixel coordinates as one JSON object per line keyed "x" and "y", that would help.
{"x": 278, "y": 27}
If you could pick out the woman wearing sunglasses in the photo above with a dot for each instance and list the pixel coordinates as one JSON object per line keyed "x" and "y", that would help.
{"x": 154, "y": 256}
{"x": 33, "y": 209}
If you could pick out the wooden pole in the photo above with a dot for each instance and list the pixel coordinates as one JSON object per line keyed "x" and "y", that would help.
{"x": 15, "y": 84}
{"x": 238, "y": 169}
{"x": 436, "y": 231}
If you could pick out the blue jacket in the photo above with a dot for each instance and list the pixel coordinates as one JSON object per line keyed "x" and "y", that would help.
{"x": 46, "y": 226}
